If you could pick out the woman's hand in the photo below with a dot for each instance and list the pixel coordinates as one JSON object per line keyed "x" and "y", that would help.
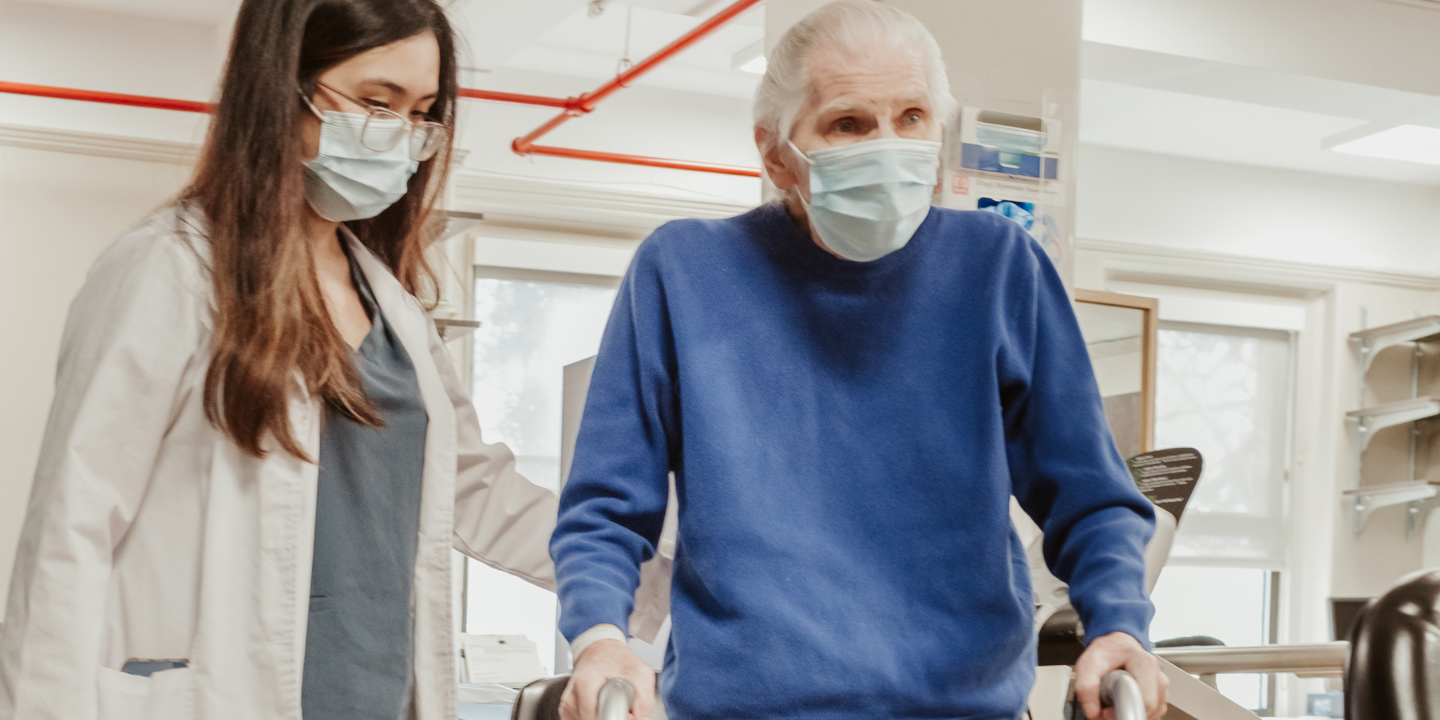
{"x": 602, "y": 661}
{"x": 1118, "y": 651}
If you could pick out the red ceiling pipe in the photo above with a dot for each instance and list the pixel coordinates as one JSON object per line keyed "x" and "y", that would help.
{"x": 643, "y": 160}
{"x": 587, "y": 102}
{"x": 200, "y": 107}
{"x": 574, "y": 107}
{"x": 144, "y": 101}
{"x": 520, "y": 98}
{"x": 160, "y": 103}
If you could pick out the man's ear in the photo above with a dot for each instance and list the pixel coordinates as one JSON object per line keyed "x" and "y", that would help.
{"x": 773, "y": 156}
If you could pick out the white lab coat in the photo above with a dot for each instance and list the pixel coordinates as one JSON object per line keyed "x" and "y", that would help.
{"x": 150, "y": 535}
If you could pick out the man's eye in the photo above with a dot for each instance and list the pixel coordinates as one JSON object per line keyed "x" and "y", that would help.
{"x": 845, "y": 126}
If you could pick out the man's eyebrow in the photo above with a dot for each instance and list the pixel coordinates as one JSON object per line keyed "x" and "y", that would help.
{"x": 851, "y": 106}
{"x": 841, "y": 107}
{"x": 393, "y": 87}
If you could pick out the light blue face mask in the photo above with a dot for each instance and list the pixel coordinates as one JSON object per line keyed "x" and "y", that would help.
{"x": 348, "y": 181}
{"x": 868, "y": 199}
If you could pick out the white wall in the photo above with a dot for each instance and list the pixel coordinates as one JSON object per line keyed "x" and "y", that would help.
{"x": 72, "y": 178}
{"x": 1257, "y": 212}
{"x": 90, "y": 50}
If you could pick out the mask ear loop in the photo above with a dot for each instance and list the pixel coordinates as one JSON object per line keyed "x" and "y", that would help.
{"x": 310, "y": 104}
{"x": 319, "y": 115}
{"x": 808, "y": 165}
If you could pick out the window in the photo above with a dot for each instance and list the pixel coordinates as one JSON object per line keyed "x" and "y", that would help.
{"x": 1226, "y": 391}
{"x": 1234, "y": 605}
{"x": 533, "y": 324}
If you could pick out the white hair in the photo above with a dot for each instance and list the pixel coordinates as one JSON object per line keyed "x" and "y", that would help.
{"x": 843, "y": 24}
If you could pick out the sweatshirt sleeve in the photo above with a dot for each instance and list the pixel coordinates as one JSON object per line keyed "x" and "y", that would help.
{"x": 1065, "y": 470}
{"x": 613, "y": 504}
{"x": 132, "y": 334}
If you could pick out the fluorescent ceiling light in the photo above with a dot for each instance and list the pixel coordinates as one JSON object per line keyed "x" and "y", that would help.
{"x": 750, "y": 58}
{"x": 1412, "y": 143}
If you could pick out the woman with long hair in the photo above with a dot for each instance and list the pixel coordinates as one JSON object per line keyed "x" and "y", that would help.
{"x": 259, "y": 456}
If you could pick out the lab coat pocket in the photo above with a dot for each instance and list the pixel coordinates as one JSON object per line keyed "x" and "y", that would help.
{"x": 166, "y": 695}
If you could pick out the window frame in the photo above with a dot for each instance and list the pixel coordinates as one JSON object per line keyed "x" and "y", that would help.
{"x": 480, "y": 271}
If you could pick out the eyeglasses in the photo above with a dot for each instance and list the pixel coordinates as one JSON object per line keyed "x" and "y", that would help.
{"x": 384, "y": 129}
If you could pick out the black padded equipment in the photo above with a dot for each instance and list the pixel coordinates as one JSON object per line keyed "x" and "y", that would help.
{"x": 540, "y": 700}
{"x": 1394, "y": 671}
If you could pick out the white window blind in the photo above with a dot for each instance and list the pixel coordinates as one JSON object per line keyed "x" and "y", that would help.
{"x": 1226, "y": 392}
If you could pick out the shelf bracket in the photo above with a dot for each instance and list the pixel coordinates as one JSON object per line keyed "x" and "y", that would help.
{"x": 1416, "y": 511}
{"x": 1367, "y": 356}
{"x": 1419, "y": 497}
{"x": 1368, "y": 343}
{"x": 1374, "y": 419}
{"x": 1359, "y": 513}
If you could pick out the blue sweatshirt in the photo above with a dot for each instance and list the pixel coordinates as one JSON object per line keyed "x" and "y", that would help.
{"x": 845, "y": 438}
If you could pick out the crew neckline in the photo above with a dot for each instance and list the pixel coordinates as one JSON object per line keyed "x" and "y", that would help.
{"x": 780, "y": 232}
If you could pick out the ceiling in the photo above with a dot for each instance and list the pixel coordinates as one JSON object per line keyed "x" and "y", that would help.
{"x": 571, "y": 41}
{"x": 1152, "y": 102}
{"x": 555, "y": 36}
{"x": 1133, "y": 99}
{"x": 210, "y": 12}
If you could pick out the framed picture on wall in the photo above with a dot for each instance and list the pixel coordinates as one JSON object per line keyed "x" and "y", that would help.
{"x": 1120, "y": 333}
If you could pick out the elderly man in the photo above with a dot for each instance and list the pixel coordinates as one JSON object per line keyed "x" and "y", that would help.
{"x": 848, "y": 387}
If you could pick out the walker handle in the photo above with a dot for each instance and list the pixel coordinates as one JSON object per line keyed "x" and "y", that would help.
{"x": 1119, "y": 690}
{"x": 617, "y": 695}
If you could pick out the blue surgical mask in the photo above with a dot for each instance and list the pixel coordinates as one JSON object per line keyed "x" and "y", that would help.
{"x": 868, "y": 199}
{"x": 348, "y": 181}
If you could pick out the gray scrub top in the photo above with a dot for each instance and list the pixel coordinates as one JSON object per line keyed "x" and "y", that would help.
{"x": 360, "y": 641}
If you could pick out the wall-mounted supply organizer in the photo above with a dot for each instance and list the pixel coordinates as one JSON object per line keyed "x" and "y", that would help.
{"x": 1419, "y": 413}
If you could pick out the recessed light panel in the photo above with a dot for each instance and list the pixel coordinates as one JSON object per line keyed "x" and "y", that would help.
{"x": 1412, "y": 143}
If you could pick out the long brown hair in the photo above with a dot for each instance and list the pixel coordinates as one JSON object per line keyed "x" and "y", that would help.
{"x": 273, "y": 335}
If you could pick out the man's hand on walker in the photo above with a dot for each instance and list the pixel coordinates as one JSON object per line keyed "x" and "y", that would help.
{"x": 1119, "y": 651}
{"x": 602, "y": 661}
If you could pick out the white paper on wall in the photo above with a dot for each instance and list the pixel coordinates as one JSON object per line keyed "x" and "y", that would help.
{"x": 509, "y": 659}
